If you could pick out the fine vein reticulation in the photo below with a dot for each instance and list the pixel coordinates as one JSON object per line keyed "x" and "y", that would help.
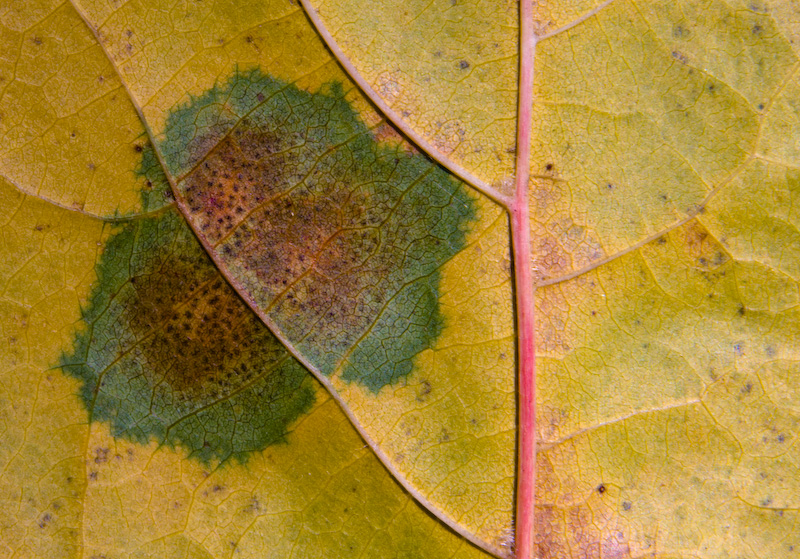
{"x": 517, "y": 206}
{"x": 169, "y": 164}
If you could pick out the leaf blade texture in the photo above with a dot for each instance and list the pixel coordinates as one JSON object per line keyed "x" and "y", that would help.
{"x": 243, "y": 314}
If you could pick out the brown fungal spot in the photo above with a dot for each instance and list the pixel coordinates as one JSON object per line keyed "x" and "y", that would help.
{"x": 696, "y": 241}
{"x": 247, "y": 169}
{"x": 424, "y": 390}
{"x": 328, "y": 226}
{"x": 196, "y": 333}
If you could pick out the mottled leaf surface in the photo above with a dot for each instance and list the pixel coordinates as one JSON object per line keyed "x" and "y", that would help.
{"x": 242, "y": 315}
{"x": 166, "y": 419}
{"x": 382, "y": 273}
{"x": 447, "y": 69}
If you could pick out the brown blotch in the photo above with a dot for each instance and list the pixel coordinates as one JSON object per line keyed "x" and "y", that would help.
{"x": 315, "y": 256}
{"x": 573, "y": 520}
{"x": 194, "y": 332}
{"x": 560, "y": 245}
{"x": 246, "y": 169}
{"x": 701, "y": 246}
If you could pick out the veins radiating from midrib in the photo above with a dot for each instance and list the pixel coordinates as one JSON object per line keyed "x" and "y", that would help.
{"x": 577, "y": 21}
{"x": 425, "y": 148}
{"x": 548, "y": 445}
{"x": 412, "y": 136}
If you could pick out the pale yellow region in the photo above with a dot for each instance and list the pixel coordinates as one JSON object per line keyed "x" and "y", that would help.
{"x": 786, "y": 16}
{"x": 449, "y": 429}
{"x": 166, "y": 51}
{"x": 321, "y": 494}
{"x": 68, "y": 131}
{"x": 669, "y": 377}
{"x": 641, "y": 112}
{"x": 447, "y": 69}
{"x": 662, "y": 484}
{"x": 737, "y": 42}
{"x": 757, "y": 219}
{"x": 47, "y": 258}
{"x": 779, "y": 140}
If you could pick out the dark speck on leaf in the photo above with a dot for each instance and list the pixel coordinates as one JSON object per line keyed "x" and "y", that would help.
{"x": 45, "y": 520}
{"x": 601, "y": 488}
{"x": 680, "y": 57}
{"x": 463, "y": 64}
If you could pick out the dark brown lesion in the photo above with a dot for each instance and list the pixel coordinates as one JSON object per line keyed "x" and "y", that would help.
{"x": 246, "y": 169}
{"x": 325, "y": 225}
{"x": 194, "y": 332}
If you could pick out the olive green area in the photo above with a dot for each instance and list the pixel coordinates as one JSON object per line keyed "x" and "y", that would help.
{"x": 333, "y": 232}
{"x": 156, "y": 192}
{"x": 168, "y": 351}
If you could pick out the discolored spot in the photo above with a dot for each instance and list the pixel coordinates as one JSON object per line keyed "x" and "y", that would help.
{"x": 45, "y": 520}
{"x": 336, "y": 230}
{"x": 680, "y": 32}
{"x": 171, "y": 352}
{"x": 680, "y": 57}
{"x": 424, "y": 389}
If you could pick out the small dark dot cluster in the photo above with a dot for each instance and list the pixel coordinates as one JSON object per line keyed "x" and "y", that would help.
{"x": 195, "y": 332}
{"x": 246, "y": 169}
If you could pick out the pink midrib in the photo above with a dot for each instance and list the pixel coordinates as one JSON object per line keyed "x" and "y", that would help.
{"x": 523, "y": 285}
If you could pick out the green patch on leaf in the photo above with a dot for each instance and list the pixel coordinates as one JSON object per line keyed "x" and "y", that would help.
{"x": 156, "y": 192}
{"x": 338, "y": 236}
{"x": 170, "y": 351}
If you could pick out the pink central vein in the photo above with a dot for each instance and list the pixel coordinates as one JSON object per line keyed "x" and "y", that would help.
{"x": 523, "y": 282}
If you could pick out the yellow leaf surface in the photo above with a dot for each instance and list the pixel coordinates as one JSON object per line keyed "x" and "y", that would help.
{"x": 268, "y": 271}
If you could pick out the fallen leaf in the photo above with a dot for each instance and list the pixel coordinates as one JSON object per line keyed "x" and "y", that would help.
{"x": 260, "y": 262}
